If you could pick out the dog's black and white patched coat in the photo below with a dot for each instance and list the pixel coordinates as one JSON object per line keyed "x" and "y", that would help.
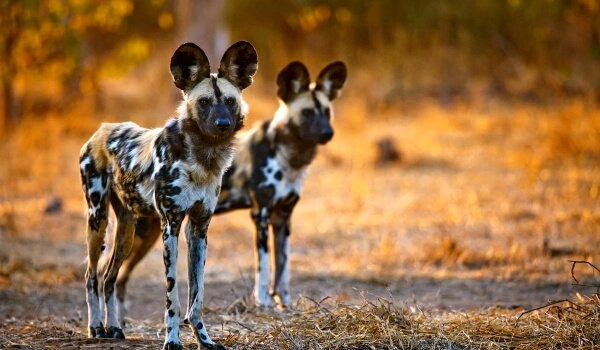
{"x": 166, "y": 174}
{"x": 267, "y": 175}
{"x": 270, "y": 166}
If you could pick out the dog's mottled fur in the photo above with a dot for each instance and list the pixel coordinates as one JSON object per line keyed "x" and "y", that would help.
{"x": 267, "y": 175}
{"x": 165, "y": 173}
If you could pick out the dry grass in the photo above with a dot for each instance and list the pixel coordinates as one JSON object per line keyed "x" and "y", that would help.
{"x": 327, "y": 324}
{"x": 383, "y": 325}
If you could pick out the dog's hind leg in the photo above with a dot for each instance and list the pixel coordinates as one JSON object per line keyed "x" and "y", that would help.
{"x": 96, "y": 188}
{"x": 147, "y": 231}
{"x": 122, "y": 245}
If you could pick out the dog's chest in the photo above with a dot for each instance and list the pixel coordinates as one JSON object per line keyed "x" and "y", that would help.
{"x": 181, "y": 185}
{"x": 284, "y": 179}
{"x": 171, "y": 186}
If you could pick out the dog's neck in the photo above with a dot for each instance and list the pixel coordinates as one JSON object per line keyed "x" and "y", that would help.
{"x": 290, "y": 147}
{"x": 215, "y": 154}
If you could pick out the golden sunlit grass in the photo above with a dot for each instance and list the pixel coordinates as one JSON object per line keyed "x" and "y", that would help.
{"x": 328, "y": 324}
{"x": 383, "y": 325}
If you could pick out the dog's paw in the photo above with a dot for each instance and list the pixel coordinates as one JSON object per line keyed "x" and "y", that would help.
{"x": 115, "y": 333}
{"x": 213, "y": 346}
{"x": 173, "y": 346}
{"x": 97, "y": 332}
{"x": 282, "y": 302}
{"x": 263, "y": 300}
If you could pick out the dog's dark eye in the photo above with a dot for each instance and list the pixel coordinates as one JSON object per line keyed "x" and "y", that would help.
{"x": 308, "y": 113}
{"x": 230, "y": 101}
{"x": 203, "y": 101}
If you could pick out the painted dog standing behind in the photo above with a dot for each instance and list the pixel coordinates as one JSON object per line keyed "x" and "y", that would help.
{"x": 165, "y": 173}
{"x": 267, "y": 176}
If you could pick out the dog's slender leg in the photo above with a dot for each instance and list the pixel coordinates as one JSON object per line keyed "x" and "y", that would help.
{"x": 95, "y": 239}
{"x": 147, "y": 231}
{"x": 280, "y": 220}
{"x": 170, "y": 232}
{"x": 196, "y": 237}
{"x": 281, "y": 268}
{"x": 95, "y": 185}
{"x": 261, "y": 236}
{"x": 122, "y": 245}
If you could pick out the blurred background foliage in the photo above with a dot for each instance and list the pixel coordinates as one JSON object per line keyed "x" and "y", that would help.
{"x": 533, "y": 49}
{"x": 55, "y": 53}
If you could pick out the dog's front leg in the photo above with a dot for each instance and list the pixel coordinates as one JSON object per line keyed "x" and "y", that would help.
{"x": 260, "y": 217}
{"x": 280, "y": 220}
{"x": 196, "y": 237}
{"x": 170, "y": 227}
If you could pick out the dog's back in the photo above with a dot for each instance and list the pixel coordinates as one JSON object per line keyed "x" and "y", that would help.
{"x": 123, "y": 153}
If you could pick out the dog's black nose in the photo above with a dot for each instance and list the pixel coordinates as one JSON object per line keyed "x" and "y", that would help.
{"x": 223, "y": 123}
{"x": 326, "y": 135}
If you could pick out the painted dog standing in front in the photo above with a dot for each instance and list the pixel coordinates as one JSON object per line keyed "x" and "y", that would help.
{"x": 165, "y": 173}
{"x": 267, "y": 176}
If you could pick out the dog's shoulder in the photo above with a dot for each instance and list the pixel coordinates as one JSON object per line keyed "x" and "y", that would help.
{"x": 251, "y": 150}
{"x": 171, "y": 139}
{"x": 261, "y": 142}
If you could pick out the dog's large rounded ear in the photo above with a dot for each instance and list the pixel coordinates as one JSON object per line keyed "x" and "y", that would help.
{"x": 292, "y": 80}
{"x": 331, "y": 79}
{"x": 239, "y": 64}
{"x": 189, "y": 66}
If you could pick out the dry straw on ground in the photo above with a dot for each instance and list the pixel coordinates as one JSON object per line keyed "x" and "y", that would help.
{"x": 372, "y": 325}
{"x": 383, "y": 325}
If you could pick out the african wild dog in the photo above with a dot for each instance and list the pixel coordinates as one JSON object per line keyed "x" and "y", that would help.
{"x": 165, "y": 173}
{"x": 267, "y": 175}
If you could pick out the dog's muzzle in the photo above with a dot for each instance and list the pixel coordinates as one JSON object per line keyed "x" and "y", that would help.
{"x": 326, "y": 136}
{"x": 223, "y": 124}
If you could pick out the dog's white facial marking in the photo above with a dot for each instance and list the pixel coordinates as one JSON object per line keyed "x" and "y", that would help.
{"x": 244, "y": 108}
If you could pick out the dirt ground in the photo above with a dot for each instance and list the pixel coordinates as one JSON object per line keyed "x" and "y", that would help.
{"x": 484, "y": 209}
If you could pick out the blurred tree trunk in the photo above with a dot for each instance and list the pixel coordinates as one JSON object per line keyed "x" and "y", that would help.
{"x": 10, "y": 100}
{"x": 12, "y": 110}
{"x": 202, "y": 22}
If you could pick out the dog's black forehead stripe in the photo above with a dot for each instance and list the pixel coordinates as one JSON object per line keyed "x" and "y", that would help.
{"x": 317, "y": 103}
{"x": 216, "y": 88}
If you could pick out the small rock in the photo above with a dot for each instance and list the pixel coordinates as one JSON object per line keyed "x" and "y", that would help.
{"x": 387, "y": 152}
{"x": 54, "y": 205}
